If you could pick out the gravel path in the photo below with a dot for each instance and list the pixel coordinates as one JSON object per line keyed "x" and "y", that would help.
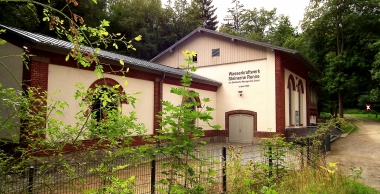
{"x": 360, "y": 150}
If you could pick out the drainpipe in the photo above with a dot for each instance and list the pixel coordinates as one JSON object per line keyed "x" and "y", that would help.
{"x": 160, "y": 88}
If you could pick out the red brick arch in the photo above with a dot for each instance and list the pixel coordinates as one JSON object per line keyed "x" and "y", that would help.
{"x": 197, "y": 99}
{"x": 291, "y": 79}
{"x": 300, "y": 84}
{"x": 246, "y": 112}
{"x": 108, "y": 82}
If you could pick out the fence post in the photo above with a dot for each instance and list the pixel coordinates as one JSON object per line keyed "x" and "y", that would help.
{"x": 153, "y": 175}
{"x": 327, "y": 142}
{"x": 224, "y": 158}
{"x": 308, "y": 154}
{"x": 30, "y": 179}
{"x": 270, "y": 155}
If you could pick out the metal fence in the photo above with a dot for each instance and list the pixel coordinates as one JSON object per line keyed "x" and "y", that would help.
{"x": 78, "y": 177}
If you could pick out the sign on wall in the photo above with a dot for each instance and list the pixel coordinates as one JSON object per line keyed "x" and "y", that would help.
{"x": 244, "y": 78}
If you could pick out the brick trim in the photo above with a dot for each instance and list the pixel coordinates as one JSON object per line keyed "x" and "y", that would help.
{"x": 109, "y": 82}
{"x": 59, "y": 59}
{"x": 38, "y": 75}
{"x": 292, "y": 81}
{"x": 300, "y": 84}
{"x": 280, "y": 93}
{"x": 246, "y": 112}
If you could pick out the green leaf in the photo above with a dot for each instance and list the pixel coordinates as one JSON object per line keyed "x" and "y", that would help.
{"x": 105, "y": 23}
{"x": 115, "y": 45}
{"x": 2, "y": 41}
{"x": 121, "y": 62}
{"x": 95, "y": 1}
{"x": 138, "y": 38}
{"x": 67, "y": 57}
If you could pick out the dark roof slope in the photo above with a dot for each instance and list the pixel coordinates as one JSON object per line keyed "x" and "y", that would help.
{"x": 294, "y": 53}
{"x": 46, "y": 40}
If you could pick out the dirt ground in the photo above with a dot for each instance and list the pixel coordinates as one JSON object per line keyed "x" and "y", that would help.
{"x": 360, "y": 149}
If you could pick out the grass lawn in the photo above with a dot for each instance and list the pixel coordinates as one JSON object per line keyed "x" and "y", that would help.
{"x": 367, "y": 116}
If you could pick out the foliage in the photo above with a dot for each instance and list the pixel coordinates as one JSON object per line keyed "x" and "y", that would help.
{"x": 206, "y": 13}
{"x": 339, "y": 48}
{"x": 234, "y": 19}
{"x": 31, "y": 118}
{"x": 247, "y": 176}
{"x": 275, "y": 150}
{"x": 259, "y": 24}
{"x": 309, "y": 180}
{"x": 240, "y": 175}
{"x": 178, "y": 134}
{"x": 23, "y": 15}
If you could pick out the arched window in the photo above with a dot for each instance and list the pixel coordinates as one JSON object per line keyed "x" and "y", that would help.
{"x": 300, "y": 100}
{"x": 105, "y": 97}
{"x": 105, "y": 101}
{"x": 291, "y": 88}
{"x": 192, "y": 102}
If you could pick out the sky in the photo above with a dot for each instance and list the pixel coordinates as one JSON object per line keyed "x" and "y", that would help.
{"x": 292, "y": 8}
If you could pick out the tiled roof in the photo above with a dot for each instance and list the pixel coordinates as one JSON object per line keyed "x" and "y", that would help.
{"x": 46, "y": 40}
{"x": 294, "y": 53}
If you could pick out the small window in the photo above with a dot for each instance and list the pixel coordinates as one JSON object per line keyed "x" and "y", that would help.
{"x": 195, "y": 58}
{"x": 105, "y": 101}
{"x": 215, "y": 52}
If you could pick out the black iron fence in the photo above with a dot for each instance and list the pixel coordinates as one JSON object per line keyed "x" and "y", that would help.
{"x": 80, "y": 177}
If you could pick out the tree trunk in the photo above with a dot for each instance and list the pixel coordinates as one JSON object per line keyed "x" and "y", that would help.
{"x": 340, "y": 102}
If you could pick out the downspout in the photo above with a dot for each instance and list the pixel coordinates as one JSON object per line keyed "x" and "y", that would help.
{"x": 160, "y": 88}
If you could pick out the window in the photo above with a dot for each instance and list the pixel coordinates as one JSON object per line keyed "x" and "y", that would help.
{"x": 215, "y": 52}
{"x": 195, "y": 58}
{"x": 290, "y": 90}
{"x": 105, "y": 101}
{"x": 300, "y": 100}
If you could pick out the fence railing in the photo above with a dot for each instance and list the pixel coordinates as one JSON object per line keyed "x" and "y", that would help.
{"x": 77, "y": 177}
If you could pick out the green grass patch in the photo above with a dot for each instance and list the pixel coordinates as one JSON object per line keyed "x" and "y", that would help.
{"x": 321, "y": 180}
{"x": 367, "y": 116}
{"x": 347, "y": 127}
{"x": 324, "y": 115}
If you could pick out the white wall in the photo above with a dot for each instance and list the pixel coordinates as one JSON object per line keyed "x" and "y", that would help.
{"x": 64, "y": 78}
{"x": 176, "y": 100}
{"x": 14, "y": 65}
{"x": 258, "y": 94}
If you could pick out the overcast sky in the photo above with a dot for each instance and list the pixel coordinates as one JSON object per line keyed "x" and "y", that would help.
{"x": 292, "y": 8}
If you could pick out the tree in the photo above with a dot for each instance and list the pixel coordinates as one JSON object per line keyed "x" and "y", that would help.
{"x": 19, "y": 15}
{"x": 282, "y": 32}
{"x": 207, "y": 13}
{"x": 179, "y": 134}
{"x": 258, "y": 23}
{"x": 334, "y": 28}
{"x": 235, "y": 18}
{"x": 261, "y": 25}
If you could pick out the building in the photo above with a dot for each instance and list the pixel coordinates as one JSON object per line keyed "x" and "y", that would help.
{"x": 257, "y": 89}
{"x": 48, "y": 70}
{"x": 265, "y": 88}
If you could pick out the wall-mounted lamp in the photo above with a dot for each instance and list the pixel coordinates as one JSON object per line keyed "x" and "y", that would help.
{"x": 241, "y": 93}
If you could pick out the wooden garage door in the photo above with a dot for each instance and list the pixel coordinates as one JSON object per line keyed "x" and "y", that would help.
{"x": 241, "y": 128}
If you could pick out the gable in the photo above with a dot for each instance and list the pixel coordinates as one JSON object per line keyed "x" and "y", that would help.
{"x": 230, "y": 51}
